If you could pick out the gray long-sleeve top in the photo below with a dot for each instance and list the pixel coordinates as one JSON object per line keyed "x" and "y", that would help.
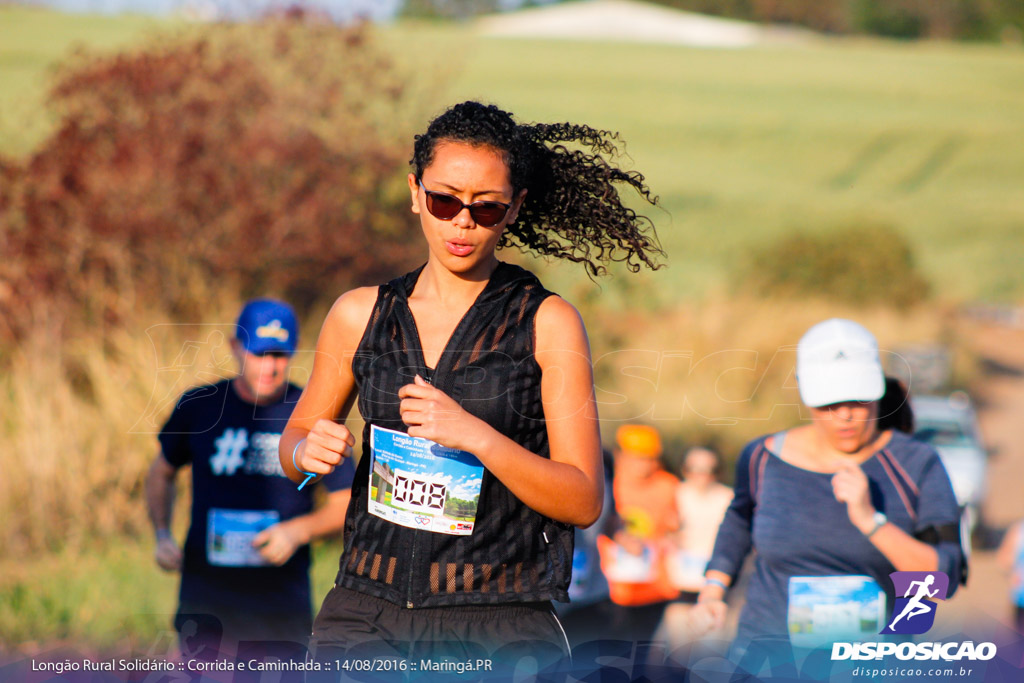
{"x": 790, "y": 516}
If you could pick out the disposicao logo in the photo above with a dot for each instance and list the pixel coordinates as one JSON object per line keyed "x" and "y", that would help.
{"x": 914, "y": 612}
{"x": 272, "y": 330}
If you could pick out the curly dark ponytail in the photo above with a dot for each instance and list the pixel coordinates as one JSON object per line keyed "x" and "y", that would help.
{"x": 572, "y": 208}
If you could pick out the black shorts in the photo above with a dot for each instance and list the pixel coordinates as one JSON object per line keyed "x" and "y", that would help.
{"x": 356, "y": 630}
{"x": 207, "y": 632}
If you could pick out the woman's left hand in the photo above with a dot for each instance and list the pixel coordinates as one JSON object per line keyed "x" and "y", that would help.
{"x": 433, "y": 414}
{"x": 850, "y": 486}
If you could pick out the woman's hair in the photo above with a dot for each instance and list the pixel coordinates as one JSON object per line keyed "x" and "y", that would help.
{"x": 572, "y": 208}
{"x": 894, "y": 411}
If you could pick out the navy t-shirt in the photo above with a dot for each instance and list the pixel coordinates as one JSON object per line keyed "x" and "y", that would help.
{"x": 791, "y": 517}
{"x": 238, "y": 487}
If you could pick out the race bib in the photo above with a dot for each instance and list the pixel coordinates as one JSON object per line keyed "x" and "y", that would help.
{"x": 420, "y": 484}
{"x": 686, "y": 570}
{"x": 826, "y": 609}
{"x": 625, "y": 567}
{"x": 229, "y": 536}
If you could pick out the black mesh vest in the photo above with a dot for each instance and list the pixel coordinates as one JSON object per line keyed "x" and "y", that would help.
{"x": 514, "y": 554}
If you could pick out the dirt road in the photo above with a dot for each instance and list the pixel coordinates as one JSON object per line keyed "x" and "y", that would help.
{"x": 999, "y": 393}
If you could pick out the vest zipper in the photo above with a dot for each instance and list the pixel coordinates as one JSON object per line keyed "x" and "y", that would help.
{"x": 427, "y": 377}
{"x": 412, "y": 563}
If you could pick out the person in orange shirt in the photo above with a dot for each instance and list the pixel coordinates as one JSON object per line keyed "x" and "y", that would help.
{"x": 634, "y": 552}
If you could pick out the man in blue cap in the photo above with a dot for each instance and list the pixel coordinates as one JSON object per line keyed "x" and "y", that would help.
{"x": 245, "y": 564}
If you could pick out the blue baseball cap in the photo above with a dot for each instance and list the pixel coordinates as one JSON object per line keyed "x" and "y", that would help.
{"x": 267, "y": 326}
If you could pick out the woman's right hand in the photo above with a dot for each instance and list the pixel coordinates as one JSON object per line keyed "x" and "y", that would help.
{"x": 324, "y": 447}
{"x": 709, "y": 612}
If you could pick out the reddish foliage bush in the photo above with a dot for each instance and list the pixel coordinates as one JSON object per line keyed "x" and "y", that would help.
{"x": 258, "y": 159}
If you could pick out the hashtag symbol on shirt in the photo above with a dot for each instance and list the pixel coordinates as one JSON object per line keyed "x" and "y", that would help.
{"x": 228, "y": 457}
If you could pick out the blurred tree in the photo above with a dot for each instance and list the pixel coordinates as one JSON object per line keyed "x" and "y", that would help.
{"x": 450, "y": 9}
{"x": 264, "y": 158}
{"x": 899, "y": 19}
{"x": 862, "y": 265}
{"x": 962, "y": 19}
{"x": 967, "y": 19}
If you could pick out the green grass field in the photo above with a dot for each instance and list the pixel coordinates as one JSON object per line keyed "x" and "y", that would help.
{"x": 744, "y": 145}
{"x": 741, "y": 145}
{"x": 109, "y": 599}
{"x": 32, "y": 42}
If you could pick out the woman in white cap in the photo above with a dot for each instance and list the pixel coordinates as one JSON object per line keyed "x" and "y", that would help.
{"x": 832, "y": 508}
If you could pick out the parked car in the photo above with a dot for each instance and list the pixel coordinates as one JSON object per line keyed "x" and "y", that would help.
{"x": 949, "y": 424}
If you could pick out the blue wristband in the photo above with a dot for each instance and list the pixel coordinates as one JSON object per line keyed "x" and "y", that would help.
{"x": 715, "y": 582}
{"x": 309, "y": 475}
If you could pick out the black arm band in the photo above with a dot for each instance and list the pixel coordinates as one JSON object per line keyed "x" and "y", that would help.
{"x": 934, "y": 535}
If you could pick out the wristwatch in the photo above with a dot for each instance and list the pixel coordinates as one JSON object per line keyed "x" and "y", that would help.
{"x": 879, "y": 520}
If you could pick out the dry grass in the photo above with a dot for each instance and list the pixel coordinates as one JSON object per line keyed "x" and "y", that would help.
{"x": 80, "y": 421}
{"x": 722, "y": 371}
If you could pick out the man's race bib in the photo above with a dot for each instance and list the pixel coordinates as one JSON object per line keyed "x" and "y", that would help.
{"x": 826, "y": 609}
{"x": 420, "y": 484}
{"x": 229, "y": 536}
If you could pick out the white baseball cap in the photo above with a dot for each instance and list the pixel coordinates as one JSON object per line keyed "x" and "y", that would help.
{"x": 837, "y": 360}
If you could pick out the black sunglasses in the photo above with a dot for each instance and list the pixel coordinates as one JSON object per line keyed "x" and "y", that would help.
{"x": 447, "y": 207}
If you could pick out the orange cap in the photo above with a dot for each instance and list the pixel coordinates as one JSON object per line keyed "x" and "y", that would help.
{"x": 639, "y": 440}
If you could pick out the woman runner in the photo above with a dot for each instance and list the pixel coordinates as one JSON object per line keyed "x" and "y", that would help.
{"x": 831, "y": 508}
{"x": 473, "y": 355}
